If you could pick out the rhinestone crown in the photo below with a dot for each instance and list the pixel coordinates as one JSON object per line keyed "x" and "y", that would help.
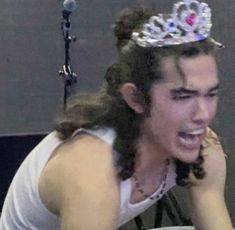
{"x": 190, "y": 21}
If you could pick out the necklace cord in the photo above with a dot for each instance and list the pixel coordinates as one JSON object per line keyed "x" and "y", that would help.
{"x": 163, "y": 184}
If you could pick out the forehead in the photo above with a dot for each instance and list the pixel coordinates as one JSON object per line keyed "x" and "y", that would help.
{"x": 197, "y": 72}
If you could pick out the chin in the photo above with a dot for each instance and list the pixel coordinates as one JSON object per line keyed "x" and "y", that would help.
{"x": 188, "y": 156}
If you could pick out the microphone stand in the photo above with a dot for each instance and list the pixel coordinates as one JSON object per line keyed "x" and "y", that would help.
{"x": 69, "y": 77}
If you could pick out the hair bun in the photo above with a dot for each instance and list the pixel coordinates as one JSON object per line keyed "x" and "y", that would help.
{"x": 128, "y": 20}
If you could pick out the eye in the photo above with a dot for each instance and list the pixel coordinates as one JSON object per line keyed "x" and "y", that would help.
{"x": 181, "y": 97}
{"x": 213, "y": 94}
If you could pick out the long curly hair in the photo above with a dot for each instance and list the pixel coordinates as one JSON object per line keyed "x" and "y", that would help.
{"x": 142, "y": 67}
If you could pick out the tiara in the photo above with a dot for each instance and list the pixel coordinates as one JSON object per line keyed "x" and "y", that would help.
{"x": 190, "y": 21}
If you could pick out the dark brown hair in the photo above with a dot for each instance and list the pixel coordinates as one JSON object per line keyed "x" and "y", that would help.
{"x": 107, "y": 108}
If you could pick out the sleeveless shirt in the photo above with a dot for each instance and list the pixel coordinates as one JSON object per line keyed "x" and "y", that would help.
{"x": 23, "y": 208}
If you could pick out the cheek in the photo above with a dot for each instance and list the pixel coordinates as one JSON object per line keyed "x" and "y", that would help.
{"x": 168, "y": 116}
{"x": 178, "y": 113}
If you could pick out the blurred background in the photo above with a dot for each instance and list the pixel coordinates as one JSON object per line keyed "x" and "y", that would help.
{"x": 32, "y": 53}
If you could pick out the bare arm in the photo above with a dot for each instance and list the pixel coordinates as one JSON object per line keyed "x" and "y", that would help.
{"x": 209, "y": 210}
{"x": 88, "y": 189}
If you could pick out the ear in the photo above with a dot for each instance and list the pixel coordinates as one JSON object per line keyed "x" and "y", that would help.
{"x": 133, "y": 97}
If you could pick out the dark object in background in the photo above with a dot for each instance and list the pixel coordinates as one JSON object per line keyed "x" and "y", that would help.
{"x": 13, "y": 150}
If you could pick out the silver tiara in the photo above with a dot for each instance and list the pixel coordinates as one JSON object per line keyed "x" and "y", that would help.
{"x": 190, "y": 21}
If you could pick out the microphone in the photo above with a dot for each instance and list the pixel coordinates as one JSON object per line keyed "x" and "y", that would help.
{"x": 68, "y": 7}
{"x": 69, "y": 77}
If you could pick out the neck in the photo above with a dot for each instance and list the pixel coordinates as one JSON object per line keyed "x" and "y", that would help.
{"x": 149, "y": 157}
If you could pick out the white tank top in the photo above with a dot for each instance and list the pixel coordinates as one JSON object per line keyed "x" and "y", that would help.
{"x": 23, "y": 208}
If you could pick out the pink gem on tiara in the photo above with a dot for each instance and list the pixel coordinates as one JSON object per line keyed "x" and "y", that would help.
{"x": 190, "y": 21}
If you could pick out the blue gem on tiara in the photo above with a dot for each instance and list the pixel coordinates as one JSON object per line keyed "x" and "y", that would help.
{"x": 172, "y": 25}
{"x": 190, "y": 21}
{"x": 200, "y": 37}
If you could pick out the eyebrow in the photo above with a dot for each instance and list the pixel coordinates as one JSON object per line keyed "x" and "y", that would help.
{"x": 183, "y": 90}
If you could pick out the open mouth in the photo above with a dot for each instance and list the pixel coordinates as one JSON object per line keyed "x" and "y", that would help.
{"x": 191, "y": 139}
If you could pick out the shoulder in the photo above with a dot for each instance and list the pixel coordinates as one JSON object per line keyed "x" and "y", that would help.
{"x": 207, "y": 195}
{"x": 211, "y": 141}
{"x": 81, "y": 167}
{"x": 214, "y": 156}
{"x": 85, "y": 147}
{"x": 83, "y": 157}
{"x": 214, "y": 162}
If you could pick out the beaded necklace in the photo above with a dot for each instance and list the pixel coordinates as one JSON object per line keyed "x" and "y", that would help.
{"x": 141, "y": 190}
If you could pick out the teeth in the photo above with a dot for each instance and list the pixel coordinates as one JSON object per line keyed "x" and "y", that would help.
{"x": 191, "y": 139}
{"x": 196, "y": 132}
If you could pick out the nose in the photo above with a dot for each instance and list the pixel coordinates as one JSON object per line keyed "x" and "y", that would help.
{"x": 204, "y": 111}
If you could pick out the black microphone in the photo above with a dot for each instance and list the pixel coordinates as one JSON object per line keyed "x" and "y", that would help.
{"x": 68, "y": 7}
{"x": 69, "y": 77}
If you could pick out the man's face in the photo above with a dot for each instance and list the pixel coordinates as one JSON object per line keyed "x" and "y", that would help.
{"x": 182, "y": 107}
